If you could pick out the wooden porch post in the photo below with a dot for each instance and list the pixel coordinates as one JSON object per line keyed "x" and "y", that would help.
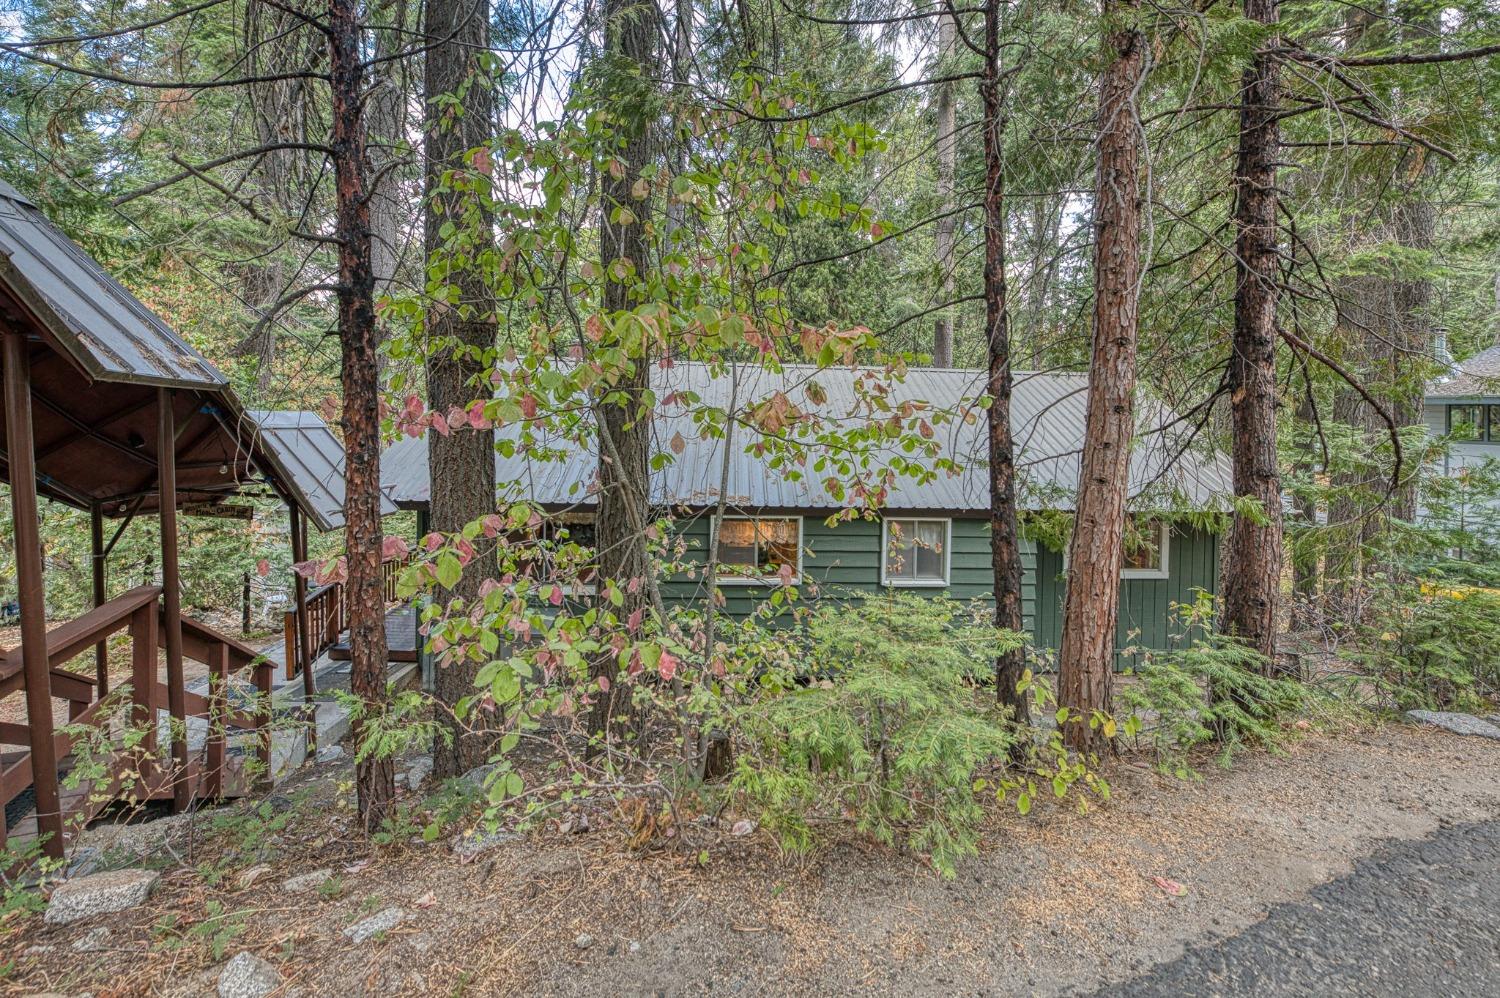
{"x": 299, "y": 584}
{"x": 34, "y": 663}
{"x": 171, "y": 597}
{"x": 96, "y": 544}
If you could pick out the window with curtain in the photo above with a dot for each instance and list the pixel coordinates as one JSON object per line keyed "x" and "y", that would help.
{"x": 916, "y": 552}
{"x": 755, "y": 547}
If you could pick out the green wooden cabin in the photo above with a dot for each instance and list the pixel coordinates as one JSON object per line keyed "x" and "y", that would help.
{"x": 930, "y": 537}
{"x": 861, "y": 557}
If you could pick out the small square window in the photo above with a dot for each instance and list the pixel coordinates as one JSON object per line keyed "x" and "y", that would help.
{"x": 1147, "y": 544}
{"x": 757, "y": 549}
{"x": 915, "y": 552}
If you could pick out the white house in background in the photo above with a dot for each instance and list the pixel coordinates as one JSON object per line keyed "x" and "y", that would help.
{"x": 1465, "y": 402}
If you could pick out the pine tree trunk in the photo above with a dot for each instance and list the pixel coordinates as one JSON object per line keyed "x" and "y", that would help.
{"x": 1005, "y": 540}
{"x": 461, "y": 463}
{"x": 1253, "y": 558}
{"x": 375, "y": 777}
{"x": 1091, "y": 606}
{"x": 625, "y": 422}
{"x": 947, "y": 160}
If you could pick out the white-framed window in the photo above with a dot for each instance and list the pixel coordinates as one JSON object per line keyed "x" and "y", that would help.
{"x": 755, "y": 550}
{"x": 915, "y": 551}
{"x": 1148, "y": 557}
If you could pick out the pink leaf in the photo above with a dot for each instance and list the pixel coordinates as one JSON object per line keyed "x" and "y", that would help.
{"x": 393, "y": 546}
{"x": 786, "y": 572}
{"x": 492, "y": 524}
{"x": 556, "y": 596}
{"x": 667, "y": 665}
{"x": 528, "y": 406}
{"x": 432, "y": 541}
{"x": 263, "y": 568}
{"x": 440, "y": 424}
{"x": 633, "y": 622}
{"x": 306, "y": 569}
{"x": 604, "y": 683}
{"x": 1172, "y": 887}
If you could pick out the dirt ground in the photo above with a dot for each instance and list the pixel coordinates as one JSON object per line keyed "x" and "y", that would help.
{"x": 1055, "y": 903}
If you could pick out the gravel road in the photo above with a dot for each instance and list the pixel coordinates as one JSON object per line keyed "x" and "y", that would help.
{"x": 1416, "y": 918}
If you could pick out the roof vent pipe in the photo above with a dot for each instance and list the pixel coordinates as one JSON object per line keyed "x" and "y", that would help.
{"x": 1441, "y": 355}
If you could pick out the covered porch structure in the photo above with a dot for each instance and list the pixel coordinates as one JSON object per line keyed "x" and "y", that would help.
{"x": 105, "y": 408}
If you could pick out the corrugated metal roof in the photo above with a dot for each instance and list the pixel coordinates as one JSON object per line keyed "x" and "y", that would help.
{"x": 111, "y": 335}
{"x": 311, "y": 463}
{"x": 1477, "y": 377}
{"x": 1048, "y": 418}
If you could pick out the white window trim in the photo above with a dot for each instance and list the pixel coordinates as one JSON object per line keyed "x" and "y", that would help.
{"x": 885, "y": 530}
{"x": 1165, "y": 546}
{"x": 1164, "y": 572}
{"x": 728, "y": 577}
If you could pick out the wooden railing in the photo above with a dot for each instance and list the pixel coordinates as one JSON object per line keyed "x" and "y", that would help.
{"x": 328, "y": 615}
{"x": 142, "y": 768}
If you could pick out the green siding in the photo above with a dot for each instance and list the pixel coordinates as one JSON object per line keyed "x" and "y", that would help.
{"x": 1146, "y": 617}
{"x": 847, "y": 557}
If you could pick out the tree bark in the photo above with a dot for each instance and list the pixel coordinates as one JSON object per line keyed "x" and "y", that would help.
{"x": 624, "y": 417}
{"x": 1253, "y": 558}
{"x": 1092, "y": 604}
{"x": 1005, "y": 537}
{"x": 947, "y": 161}
{"x": 375, "y": 776}
{"x": 462, "y": 462}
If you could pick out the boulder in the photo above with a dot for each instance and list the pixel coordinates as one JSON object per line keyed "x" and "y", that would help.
{"x": 1459, "y": 724}
{"x": 331, "y": 753}
{"x": 100, "y": 894}
{"x": 417, "y": 772}
{"x": 382, "y": 921}
{"x": 248, "y": 976}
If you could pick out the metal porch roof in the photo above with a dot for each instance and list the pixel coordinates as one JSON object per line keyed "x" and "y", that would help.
{"x": 101, "y": 325}
{"x": 311, "y": 463}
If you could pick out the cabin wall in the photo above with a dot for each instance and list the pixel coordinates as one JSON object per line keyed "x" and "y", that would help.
{"x": 1461, "y": 453}
{"x": 1146, "y": 617}
{"x": 843, "y": 561}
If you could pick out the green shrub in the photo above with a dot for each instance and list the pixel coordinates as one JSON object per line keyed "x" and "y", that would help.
{"x": 1433, "y": 647}
{"x": 882, "y": 724}
{"x": 1210, "y": 690}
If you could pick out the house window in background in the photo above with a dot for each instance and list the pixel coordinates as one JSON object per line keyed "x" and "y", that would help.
{"x": 1146, "y": 549}
{"x": 757, "y": 548}
{"x": 1467, "y": 422}
{"x": 916, "y": 552}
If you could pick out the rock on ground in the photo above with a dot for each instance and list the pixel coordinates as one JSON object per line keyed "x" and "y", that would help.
{"x": 100, "y": 894}
{"x": 307, "y": 881}
{"x": 248, "y": 976}
{"x": 1459, "y": 724}
{"x": 381, "y": 921}
{"x": 417, "y": 770}
{"x": 94, "y": 939}
{"x": 466, "y": 847}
